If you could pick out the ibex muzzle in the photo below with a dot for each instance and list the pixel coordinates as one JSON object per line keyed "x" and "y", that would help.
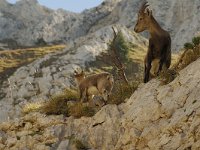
{"x": 159, "y": 42}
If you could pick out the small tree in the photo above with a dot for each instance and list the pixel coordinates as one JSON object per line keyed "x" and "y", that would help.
{"x": 117, "y": 55}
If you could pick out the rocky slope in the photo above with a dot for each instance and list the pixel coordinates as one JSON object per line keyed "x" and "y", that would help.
{"x": 52, "y": 74}
{"x": 27, "y": 23}
{"x": 155, "y": 117}
{"x": 86, "y": 35}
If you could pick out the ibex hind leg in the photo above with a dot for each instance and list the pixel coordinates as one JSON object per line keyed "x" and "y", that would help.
{"x": 147, "y": 73}
{"x": 83, "y": 95}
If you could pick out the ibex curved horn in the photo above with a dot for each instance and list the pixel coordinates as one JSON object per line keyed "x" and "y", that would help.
{"x": 143, "y": 7}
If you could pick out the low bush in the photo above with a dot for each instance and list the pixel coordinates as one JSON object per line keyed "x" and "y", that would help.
{"x": 196, "y": 40}
{"x": 122, "y": 91}
{"x": 188, "y": 45}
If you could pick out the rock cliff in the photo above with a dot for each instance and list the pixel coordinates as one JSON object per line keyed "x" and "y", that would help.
{"x": 86, "y": 35}
{"x": 27, "y": 22}
{"x": 155, "y": 117}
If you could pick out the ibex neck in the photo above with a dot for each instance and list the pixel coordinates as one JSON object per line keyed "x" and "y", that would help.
{"x": 154, "y": 28}
{"x": 78, "y": 80}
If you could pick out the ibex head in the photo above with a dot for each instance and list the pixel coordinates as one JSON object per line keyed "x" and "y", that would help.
{"x": 79, "y": 75}
{"x": 144, "y": 16}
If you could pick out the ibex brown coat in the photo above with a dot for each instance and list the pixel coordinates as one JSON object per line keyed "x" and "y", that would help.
{"x": 159, "y": 41}
{"x": 102, "y": 82}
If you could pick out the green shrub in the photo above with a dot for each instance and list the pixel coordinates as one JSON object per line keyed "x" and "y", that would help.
{"x": 122, "y": 46}
{"x": 188, "y": 46}
{"x": 196, "y": 40}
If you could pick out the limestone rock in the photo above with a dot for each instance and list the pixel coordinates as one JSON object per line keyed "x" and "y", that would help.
{"x": 155, "y": 117}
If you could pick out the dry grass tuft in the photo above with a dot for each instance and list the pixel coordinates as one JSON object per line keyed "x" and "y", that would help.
{"x": 123, "y": 91}
{"x": 59, "y": 104}
{"x": 66, "y": 103}
{"x": 81, "y": 109}
{"x": 79, "y": 145}
{"x": 190, "y": 54}
{"x": 167, "y": 76}
{"x": 32, "y": 107}
{"x": 16, "y": 58}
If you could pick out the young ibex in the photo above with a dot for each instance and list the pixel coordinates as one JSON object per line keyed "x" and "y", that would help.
{"x": 159, "y": 49}
{"x": 101, "y": 83}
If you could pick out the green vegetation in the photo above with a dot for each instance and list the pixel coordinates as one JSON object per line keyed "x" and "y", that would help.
{"x": 123, "y": 91}
{"x": 80, "y": 109}
{"x": 188, "y": 45}
{"x": 196, "y": 40}
{"x": 122, "y": 47}
{"x": 190, "y": 54}
{"x": 58, "y": 104}
{"x": 168, "y": 76}
{"x": 66, "y": 103}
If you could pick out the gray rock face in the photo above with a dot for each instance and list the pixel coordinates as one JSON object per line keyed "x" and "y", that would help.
{"x": 27, "y": 22}
{"x": 52, "y": 74}
{"x": 86, "y": 35}
{"x": 155, "y": 117}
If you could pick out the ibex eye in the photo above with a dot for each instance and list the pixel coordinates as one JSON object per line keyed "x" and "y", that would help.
{"x": 140, "y": 19}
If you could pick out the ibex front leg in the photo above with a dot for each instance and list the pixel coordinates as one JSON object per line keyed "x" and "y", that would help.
{"x": 147, "y": 68}
{"x": 162, "y": 63}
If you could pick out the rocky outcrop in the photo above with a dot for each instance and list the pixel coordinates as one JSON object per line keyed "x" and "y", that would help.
{"x": 86, "y": 35}
{"x": 52, "y": 74}
{"x": 155, "y": 117}
{"x": 27, "y": 23}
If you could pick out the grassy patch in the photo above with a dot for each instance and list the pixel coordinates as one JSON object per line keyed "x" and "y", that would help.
{"x": 168, "y": 76}
{"x": 31, "y": 107}
{"x": 66, "y": 103}
{"x": 81, "y": 109}
{"x": 79, "y": 145}
{"x": 16, "y": 58}
{"x": 190, "y": 54}
{"x": 58, "y": 104}
{"x": 122, "y": 91}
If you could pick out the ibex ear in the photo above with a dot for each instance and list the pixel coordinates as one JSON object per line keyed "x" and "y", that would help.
{"x": 108, "y": 77}
{"x": 149, "y": 12}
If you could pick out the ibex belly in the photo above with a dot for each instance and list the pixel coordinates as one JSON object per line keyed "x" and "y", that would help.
{"x": 92, "y": 90}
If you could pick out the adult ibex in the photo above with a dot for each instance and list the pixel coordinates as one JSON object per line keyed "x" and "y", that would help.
{"x": 101, "y": 83}
{"x": 159, "y": 49}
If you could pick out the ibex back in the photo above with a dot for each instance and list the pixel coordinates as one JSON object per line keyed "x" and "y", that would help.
{"x": 159, "y": 42}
